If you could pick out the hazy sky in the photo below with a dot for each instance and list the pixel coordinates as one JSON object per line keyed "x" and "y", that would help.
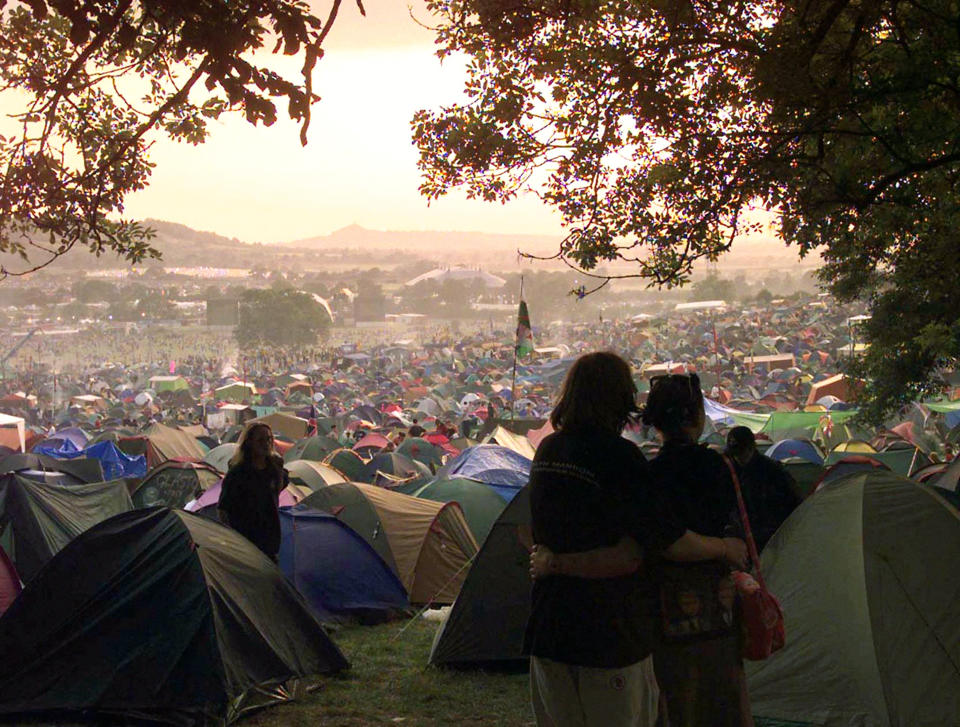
{"x": 259, "y": 184}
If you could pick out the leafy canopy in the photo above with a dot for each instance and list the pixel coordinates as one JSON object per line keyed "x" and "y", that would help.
{"x": 656, "y": 127}
{"x": 280, "y": 317}
{"x": 96, "y": 80}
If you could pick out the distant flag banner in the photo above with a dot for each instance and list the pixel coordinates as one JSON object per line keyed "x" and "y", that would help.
{"x": 524, "y": 331}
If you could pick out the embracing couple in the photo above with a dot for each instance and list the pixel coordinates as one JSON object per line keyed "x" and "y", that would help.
{"x": 633, "y": 614}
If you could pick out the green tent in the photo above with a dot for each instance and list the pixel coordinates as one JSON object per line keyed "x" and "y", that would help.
{"x": 866, "y": 572}
{"x": 481, "y": 504}
{"x": 487, "y": 621}
{"x": 902, "y": 461}
{"x": 158, "y": 616}
{"x": 44, "y": 517}
{"x": 348, "y": 462}
{"x": 800, "y": 424}
{"x": 313, "y": 448}
{"x": 421, "y": 450}
{"x": 168, "y": 383}
{"x": 805, "y": 474}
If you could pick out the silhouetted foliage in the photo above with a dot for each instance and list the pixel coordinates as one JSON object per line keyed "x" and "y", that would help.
{"x": 98, "y": 79}
{"x": 655, "y": 127}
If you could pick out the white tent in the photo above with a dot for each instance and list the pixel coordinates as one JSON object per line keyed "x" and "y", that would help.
{"x": 11, "y": 423}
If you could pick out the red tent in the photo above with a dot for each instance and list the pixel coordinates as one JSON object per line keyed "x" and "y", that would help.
{"x": 9, "y": 582}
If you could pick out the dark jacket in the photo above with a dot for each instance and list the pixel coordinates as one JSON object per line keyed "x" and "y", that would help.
{"x": 251, "y": 498}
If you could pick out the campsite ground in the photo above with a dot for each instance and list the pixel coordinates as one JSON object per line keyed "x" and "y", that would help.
{"x": 390, "y": 683}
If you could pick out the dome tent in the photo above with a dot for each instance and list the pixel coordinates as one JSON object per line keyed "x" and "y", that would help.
{"x": 174, "y": 484}
{"x": 45, "y": 517}
{"x": 428, "y": 545}
{"x": 183, "y": 622}
{"x": 336, "y": 570}
{"x": 872, "y": 639}
{"x": 481, "y": 505}
{"x": 486, "y": 624}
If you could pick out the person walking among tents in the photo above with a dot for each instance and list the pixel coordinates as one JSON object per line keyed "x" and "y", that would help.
{"x": 769, "y": 491}
{"x": 590, "y": 637}
{"x": 250, "y": 493}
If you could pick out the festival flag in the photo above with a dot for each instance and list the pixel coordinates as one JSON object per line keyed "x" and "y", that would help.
{"x": 524, "y": 331}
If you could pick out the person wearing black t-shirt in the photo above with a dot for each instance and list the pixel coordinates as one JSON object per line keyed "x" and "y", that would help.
{"x": 250, "y": 493}
{"x": 769, "y": 492}
{"x": 590, "y": 638}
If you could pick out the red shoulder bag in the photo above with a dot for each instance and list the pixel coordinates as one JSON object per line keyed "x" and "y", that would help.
{"x": 762, "y": 617}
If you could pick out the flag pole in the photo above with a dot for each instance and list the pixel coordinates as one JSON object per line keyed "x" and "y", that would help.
{"x": 516, "y": 345}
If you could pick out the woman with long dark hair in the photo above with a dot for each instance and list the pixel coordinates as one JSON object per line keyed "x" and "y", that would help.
{"x": 250, "y": 493}
{"x": 590, "y": 638}
{"x": 697, "y": 655}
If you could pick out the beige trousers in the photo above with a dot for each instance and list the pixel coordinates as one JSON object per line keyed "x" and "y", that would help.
{"x": 565, "y": 695}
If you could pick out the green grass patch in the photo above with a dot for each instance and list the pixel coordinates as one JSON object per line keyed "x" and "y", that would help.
{"x": 390, "y": 683}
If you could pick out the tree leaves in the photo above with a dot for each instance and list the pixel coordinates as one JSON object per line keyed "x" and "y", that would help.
{"x": 655, "y": 127}
{"x": 86, "y": 123}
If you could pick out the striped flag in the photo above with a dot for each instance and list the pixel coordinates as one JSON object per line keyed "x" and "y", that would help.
{"x": 524, "y": 331}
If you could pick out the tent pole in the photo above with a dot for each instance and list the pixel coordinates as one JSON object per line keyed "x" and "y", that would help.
{"x": 516, "y": 344}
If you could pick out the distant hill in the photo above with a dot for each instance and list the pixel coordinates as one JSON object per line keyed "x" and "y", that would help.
{"x": 429, "y": 241}
{"x": 354, "y": 245}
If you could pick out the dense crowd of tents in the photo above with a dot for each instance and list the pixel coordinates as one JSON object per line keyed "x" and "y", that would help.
{"x": 113, "y": 563}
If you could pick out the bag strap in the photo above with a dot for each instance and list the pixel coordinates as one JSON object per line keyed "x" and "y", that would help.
{"x": 751, "y": 543}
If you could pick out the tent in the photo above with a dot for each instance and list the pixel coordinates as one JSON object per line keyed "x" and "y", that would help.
{"x": 13, "y": 432}
{"x": 284, "y": 425}
{"x": 45, "y": 517}
{"x": 313, "y": 448}
{"x": 502, "y": 469}
{"x": 516, "y": 442}
{"x": 801, "y": 448}
{"x": 114, "y": 463}
{"x": 422, "y": 451}
{"x": 488, "y": 620}
{"x": 481, "y": 505}
{"x": 805, "y": 474}
{"x": 84, "y": 469}
{"x": 866, "y": 572}
{"x": 840, "y": 386}
{"x": 950, "y": 478}
{"x": 903, "y": 461}
{"x": 237, "y": 392}
{"x": 427, "y": 544}
{"x": 174, "y": 484}
{"x": 338, "y": 573}
{"x": 396, "y": 466}
{"x": 167, "y": 443}
{"x": 219, "y": 457}
{"x": 9, "y": 582}
{"x": 168, "y": 383}
{"x": 346, "y": 461}
{"x": 313, "y": 474}
{"x": 157, "y": 615}
{"x": 849, "y": 465}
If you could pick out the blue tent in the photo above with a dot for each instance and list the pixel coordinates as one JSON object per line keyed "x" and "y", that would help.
{"x": 337, "y": 572}
{"x": 788, "y": 448}
{"x": 74, "y": 435}
{"x": 115, "y": 463}
{"x": 502, "y": 469}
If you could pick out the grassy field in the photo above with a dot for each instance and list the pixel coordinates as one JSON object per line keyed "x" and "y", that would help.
{"x": 389, "y": 683}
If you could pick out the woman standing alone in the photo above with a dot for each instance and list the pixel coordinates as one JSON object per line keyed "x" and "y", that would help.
{"x": 250, "y": 494}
